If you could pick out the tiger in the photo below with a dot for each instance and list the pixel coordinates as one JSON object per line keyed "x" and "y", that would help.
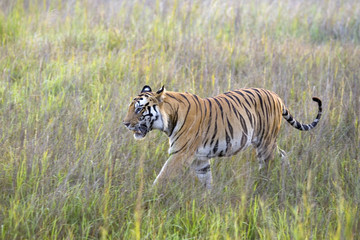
{"x": 203, "y": 128}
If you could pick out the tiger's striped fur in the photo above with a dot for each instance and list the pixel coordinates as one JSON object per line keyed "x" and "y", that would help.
{"x": 203, "y": 128}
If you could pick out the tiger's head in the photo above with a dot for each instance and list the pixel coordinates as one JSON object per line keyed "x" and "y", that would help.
{"x": 144, "y": 113}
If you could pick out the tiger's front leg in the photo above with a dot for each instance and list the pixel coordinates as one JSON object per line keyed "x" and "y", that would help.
{"x": 173, "y": 167}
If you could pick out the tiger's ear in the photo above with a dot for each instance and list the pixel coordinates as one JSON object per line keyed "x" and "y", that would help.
{"x": 146, "y": 88}
{"x": 160, "y": 94}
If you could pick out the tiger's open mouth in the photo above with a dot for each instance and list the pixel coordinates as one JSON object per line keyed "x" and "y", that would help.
{"x": 140, "y": 132}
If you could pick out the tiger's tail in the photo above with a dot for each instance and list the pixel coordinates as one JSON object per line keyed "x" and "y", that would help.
{"x": 303, "y": 127}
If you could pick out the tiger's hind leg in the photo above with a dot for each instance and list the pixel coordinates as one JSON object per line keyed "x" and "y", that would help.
{"x": 265, "y": 154}
{"x": 284, "y": 159}
{"x": 202, "y": 170}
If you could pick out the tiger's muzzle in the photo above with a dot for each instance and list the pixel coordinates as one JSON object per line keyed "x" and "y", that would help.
{"x": 140, "y": 131}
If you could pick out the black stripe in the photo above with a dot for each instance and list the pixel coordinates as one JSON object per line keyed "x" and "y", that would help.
{"x": 243, "y": 124}
{"x": 243, "y": 140}
{"x": 235, "y": 111}
{"x": 227, "y": 101}
{"x": 179, "y": 149}
{"x": 233, "y": 107}
{"x": 249, "y": 117}
{"x": 269, "y": 105}
{"x": 261, "y": 102}
{"x": 203, "y": 170}
{"x": 215, "y": 132}
{"x": 209, "y": 122}
{"x": 197, "y": 100}
{"x": 241, "y": 94}
{"x": 173, "y": 124}
{"x": 216, "y": 146}
{"x": 228, "y": 141}
{"x": 238, "y": 102}
{"x": 221, "y": 108}
{"x": 187, "y": 113}
{"x": 233, "y": 100}
{"x": 177, "y": 99}
{"x": 177, "y": 138}
{"x": 196, "y": 104}
{"x": 205, "y": 110}
{"x": 262, "y": 129}
{"x": 271, "y": 100}
{"x": 250, "y": 93}
{"x": 230, "y": 128}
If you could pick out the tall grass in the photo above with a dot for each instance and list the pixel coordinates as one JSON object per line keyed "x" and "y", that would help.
{"x": 69, "y": 169}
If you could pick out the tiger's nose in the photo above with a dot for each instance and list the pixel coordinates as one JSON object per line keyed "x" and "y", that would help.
{"x": 127, "y": 124}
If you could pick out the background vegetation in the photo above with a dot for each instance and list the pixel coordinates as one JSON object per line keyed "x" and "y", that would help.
{"x": 70, "y": 170}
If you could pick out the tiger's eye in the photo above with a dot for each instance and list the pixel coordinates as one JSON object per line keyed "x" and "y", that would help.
{"x": 138, "y": 110}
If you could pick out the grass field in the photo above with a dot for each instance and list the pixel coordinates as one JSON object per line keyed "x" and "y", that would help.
{"x": 70, "y": 170}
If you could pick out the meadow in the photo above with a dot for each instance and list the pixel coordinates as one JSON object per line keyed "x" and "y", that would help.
{"x": 69, "y": 169}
